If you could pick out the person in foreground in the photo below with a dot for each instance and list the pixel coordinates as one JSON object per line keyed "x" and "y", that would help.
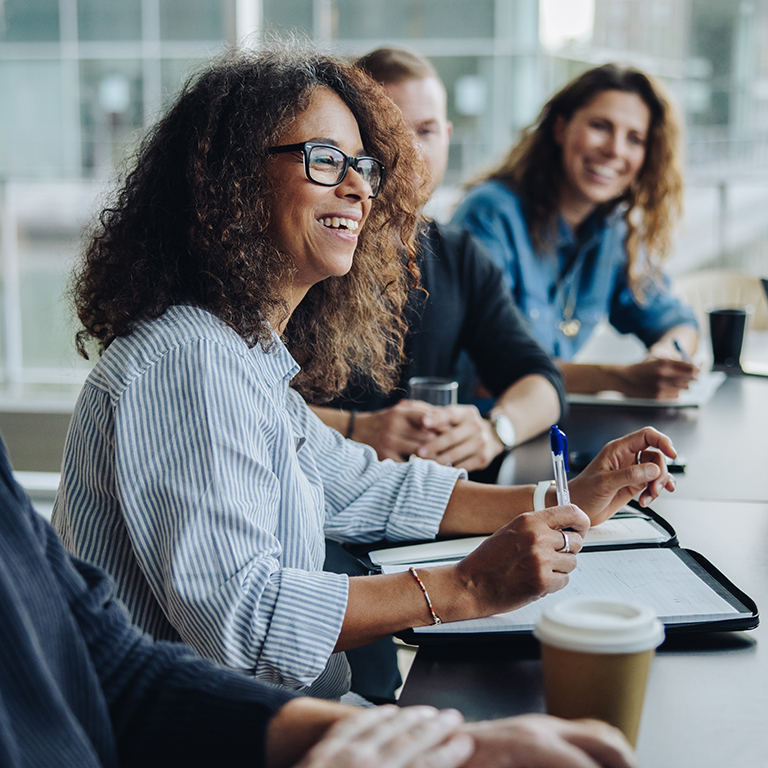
{"x": 264, "y": 224}
{"x": 464, "y": 307}
{"x": 82, "y": 687}
{"x": 580, "y": 216}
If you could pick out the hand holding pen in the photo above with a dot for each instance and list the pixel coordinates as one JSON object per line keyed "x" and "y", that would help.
{"x": 684, "y": 356}
{"x": 666, "y": 371}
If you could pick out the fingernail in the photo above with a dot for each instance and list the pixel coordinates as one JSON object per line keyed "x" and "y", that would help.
{"x": 427, "y": 421}
{"x": 451, "y": 716}
{"x": 651, "y": 471}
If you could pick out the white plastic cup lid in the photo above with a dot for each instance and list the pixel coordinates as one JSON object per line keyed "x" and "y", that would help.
{"x": 597, "y": 625}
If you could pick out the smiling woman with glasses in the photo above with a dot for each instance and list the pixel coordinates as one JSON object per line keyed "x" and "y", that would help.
{"x": 226, "y": 280}
{"x": 328, "y": 165}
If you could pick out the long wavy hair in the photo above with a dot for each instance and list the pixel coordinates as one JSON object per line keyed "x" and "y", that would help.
{"x": 653, "y": 202}
{"x": 189, "y": 224}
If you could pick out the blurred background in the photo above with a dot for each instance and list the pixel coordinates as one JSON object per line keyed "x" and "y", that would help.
{"x": 81, "y": 79}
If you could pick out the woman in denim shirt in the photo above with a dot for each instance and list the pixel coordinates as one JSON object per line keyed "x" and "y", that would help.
{"x": 580, "y": 216}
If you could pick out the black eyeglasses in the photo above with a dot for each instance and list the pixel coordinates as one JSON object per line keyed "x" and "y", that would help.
{"x": 327, "y": 165}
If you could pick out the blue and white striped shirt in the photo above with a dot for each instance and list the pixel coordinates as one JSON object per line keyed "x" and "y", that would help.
{"x": 205, "y": 485}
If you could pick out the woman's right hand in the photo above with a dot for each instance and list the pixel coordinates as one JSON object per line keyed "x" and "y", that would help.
{"x": 520, "y": 563}
{"x": 653, "y": 378}
{"x": 656, "y": 377}
{"x": 397, "y": 432}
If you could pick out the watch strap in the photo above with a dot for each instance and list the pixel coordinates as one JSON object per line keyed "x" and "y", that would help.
{"x": 506, "y": 434}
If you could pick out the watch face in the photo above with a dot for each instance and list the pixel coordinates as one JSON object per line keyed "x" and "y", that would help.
{"x": 504, "y": 429}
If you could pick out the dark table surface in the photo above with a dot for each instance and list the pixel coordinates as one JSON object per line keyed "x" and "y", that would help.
{"x": 721, "y": 443}
{"x": 707, "y": 699}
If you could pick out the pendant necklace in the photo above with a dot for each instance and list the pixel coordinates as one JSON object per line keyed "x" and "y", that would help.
{"x": 569, "y": 325}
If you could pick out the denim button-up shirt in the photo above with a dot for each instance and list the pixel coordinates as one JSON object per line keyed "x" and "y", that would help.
{"x": 587, "y": 274}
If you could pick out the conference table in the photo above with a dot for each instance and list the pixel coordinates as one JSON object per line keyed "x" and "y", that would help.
{"x": 707, "y": 698}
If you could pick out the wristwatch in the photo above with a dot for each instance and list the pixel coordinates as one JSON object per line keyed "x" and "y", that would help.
{"x": 504, "y": 429}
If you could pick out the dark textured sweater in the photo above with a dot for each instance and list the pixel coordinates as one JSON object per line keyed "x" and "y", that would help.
{"x": 81, "y": 687}
{"x": 467, "y": 313}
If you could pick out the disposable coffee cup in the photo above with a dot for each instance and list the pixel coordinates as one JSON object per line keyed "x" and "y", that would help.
{"x": 434, "y": 390}
{"x": 596, "y": 655}
{"x": 726, "y": 330}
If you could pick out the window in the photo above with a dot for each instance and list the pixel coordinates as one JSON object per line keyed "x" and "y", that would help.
{"x": 109, "y": 19}
{"x": 404, "y": 19}
{"x": 31, "y": 120}
{"x": 196, "y": 19}
{"x": 24, "y": 21}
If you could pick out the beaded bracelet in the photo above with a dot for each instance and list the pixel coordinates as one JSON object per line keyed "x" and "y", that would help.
{"x": 435, "y": 618}
{"x": 351, "y": 424}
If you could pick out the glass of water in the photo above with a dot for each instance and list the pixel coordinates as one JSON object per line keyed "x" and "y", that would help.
{"x": 434, "y": 390}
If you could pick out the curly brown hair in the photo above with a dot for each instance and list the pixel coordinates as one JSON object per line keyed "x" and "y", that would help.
{"x": 189, "y": 223}
{"x": 653, "y": 202}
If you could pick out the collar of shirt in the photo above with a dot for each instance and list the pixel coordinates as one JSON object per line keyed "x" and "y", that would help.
{"x": 278, "y": 361}
{"x": 279, "y": 368}
{"x": 276, "y": 364}
{"x": 590, "y": 230}
{"x": 571, "y": 244}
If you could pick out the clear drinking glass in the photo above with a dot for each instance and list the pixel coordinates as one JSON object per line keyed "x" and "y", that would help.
{"x": 434, "y": 390}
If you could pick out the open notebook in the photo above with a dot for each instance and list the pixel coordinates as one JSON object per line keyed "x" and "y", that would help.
{"x": 628, "y": 527}
{"x": 633, "y": 556}
{"x": 685, "y": 591}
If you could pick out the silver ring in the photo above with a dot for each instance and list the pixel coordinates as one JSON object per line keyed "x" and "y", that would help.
{"x": 567, "y": 544}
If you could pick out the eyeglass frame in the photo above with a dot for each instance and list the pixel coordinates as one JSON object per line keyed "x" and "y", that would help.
{"x": 305, "y": 147}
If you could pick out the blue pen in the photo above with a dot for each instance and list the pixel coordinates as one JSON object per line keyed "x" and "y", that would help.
{"x": 682, "y": 352}
{"x": 559, "y": 444}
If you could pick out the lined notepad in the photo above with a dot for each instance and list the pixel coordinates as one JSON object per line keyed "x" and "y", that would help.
{"x": 667, "y": 580}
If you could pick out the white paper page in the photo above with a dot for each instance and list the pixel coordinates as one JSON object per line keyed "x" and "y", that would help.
{"x": 699, "y": 393}
{"x": 625, "y": 530}
{"x": 617, "y": 530}
{"x": 657, "y": 578}
{"x": 755, "y": 368}
{"x": 433, "y": 551}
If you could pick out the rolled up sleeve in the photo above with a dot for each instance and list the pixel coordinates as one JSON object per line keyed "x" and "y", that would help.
{"x": 367, "y": 499}
{"x": 650, "y": 317}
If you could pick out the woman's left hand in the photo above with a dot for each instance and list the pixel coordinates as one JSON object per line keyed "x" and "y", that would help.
{"x": 631, "y": 465}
